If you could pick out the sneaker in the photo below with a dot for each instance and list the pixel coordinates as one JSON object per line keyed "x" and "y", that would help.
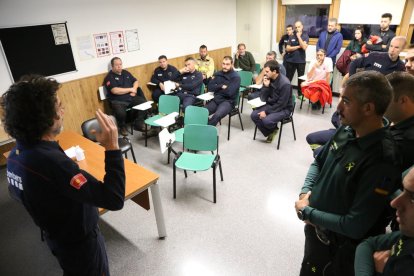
{"x": 150, "y": 133}
{"x": 123, "y": 131}
{"x": 272, "y": 136}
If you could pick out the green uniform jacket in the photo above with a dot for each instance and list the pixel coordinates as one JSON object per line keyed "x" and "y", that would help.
{"x": 246, "y": 62}
{"x": 400, "y": 262}
{"x": 350, "y": 182}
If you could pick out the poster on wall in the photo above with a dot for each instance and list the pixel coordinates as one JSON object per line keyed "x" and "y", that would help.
{"x": 85, "y": 47}
{"x": 59, "y": 33}
{"x": 102, "y": 45}
{"x": 132, "y": 40}
{"x": 117, "y": 42}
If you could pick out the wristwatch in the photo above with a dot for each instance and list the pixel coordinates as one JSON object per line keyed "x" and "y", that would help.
{"x": 301, "y": 214}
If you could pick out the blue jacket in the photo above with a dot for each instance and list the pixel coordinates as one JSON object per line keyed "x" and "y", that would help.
{"x": 334, "y": 45}
{"x": 231, "y": 79}
{"x": 160, "y": 75}
{"x": 190, "y": 83}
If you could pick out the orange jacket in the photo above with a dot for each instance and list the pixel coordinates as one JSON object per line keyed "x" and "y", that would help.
{"x": 318, "y": 91}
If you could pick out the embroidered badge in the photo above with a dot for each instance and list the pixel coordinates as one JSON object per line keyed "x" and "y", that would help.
{"x": 108, "y": 83}
{"x": 77, "y": 181}
{"x": 350, "y": 166}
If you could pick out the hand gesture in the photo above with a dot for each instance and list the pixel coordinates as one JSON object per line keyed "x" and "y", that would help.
{"x": 107, "y": 136}
{"x": 162, "y": 86}
{"x": 266, "y": 81}
{"x": 262, "y": 115}
{"x": 380, "y": 259}
{"x": 303, "y": 201}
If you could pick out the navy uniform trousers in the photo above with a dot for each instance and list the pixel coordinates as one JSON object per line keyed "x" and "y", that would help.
{"x": 269, "y": 123}
{"x": 219, "y": 111}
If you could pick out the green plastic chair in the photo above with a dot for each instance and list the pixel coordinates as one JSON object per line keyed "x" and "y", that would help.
{"x": 167, "y": 104}
{"x": 193, "y": 115}
{"x": 198, "y": 138}
{"x": 246, "y": 79}
{"x": 286, "y": 120}
{"x": 258, "y": 69}
{"x": 200, "y": 102}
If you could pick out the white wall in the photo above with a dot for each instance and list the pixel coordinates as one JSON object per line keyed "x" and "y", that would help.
{"x": 174, "y": 28}
{"x": 254, "y": 26}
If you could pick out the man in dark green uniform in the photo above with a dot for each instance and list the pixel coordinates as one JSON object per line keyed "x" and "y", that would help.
{"x": 391, "y": 254}
{"x": 347, "y": 186}
{"x": 401, "y": 113}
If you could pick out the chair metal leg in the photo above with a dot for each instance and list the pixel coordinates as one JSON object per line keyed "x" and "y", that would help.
{"x": 185, "y": 173}
{"x": 293, "y": 127}
{"x": 228, "y": 132}
{"x": 241, "y": 98}
{"x": 241, "y": 123}
{"x": 126, "y": 155}
{"x": 146, "y": 137}
{"x": 323, "y": 109}
{"x": 174, "y": 179}
{"x": 280, "y": 135}
{"x": 255, "y": 130}
{"x": 301, "y": 102}
{"x": 214, "y": 183}
{"x": 221, "y": 170}
{"x": 133, "y": 155}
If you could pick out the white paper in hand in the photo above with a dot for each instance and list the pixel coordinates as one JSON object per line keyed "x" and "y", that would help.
{"x": 169, "y": 86}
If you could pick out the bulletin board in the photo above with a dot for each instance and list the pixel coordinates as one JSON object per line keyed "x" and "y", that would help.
{"x": 41, "y": 49}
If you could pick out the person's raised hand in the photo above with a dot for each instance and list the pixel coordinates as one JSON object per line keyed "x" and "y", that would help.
{"x": 107, "y": 136}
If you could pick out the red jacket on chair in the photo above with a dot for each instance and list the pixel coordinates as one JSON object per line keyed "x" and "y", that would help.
{"x": 318, "y": 91}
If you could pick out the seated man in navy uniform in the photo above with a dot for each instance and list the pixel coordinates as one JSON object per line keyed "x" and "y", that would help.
{"x": 188, "y": 85}
{"x": 225, "y": 84}
{"x": 383, "y": 62}
{"x": 391, "y": 254}
{"x": 347, "y": 188}
{"x": 124, "y": 93}
{"x": 277, "y": 93}
{"x": 162, "y": 73}
{"x": 61, "y": 198}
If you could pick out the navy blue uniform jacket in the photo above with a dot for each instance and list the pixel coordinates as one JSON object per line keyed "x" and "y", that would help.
{"x": 61, "y": 198}
{"x": 278, "y": 96}
{"x": 191, "y": 83}
{"x": 376, "y": 61}
{"x": 169, "y": 74}
{"x": 125, "y": 80}
{"x": 231, "y": 79}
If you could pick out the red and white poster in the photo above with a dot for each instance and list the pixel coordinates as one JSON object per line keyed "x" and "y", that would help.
{"x": 117, "y": 42}
{"x": 102, "y": 45}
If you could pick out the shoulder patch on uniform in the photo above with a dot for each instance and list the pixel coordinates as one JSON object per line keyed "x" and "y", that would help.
{"x": 384, "y": 187}
{"x": 108, "y": 83}
{"x": 78, "y": 180}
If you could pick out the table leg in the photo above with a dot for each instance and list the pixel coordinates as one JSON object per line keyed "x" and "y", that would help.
{"x": 159, "y": 214}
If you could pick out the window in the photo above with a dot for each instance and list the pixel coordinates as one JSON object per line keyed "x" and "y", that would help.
{"x": 347, "y": 30}
{"x": 313, "y": 17}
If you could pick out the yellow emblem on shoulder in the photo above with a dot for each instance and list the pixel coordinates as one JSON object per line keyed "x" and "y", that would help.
{"x": 350, "y": 166}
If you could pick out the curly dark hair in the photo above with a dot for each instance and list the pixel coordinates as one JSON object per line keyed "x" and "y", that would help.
{"x": 30, "y": 108}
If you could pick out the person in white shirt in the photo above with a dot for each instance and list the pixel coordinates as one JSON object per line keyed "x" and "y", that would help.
{"x": 319, "y": 70}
